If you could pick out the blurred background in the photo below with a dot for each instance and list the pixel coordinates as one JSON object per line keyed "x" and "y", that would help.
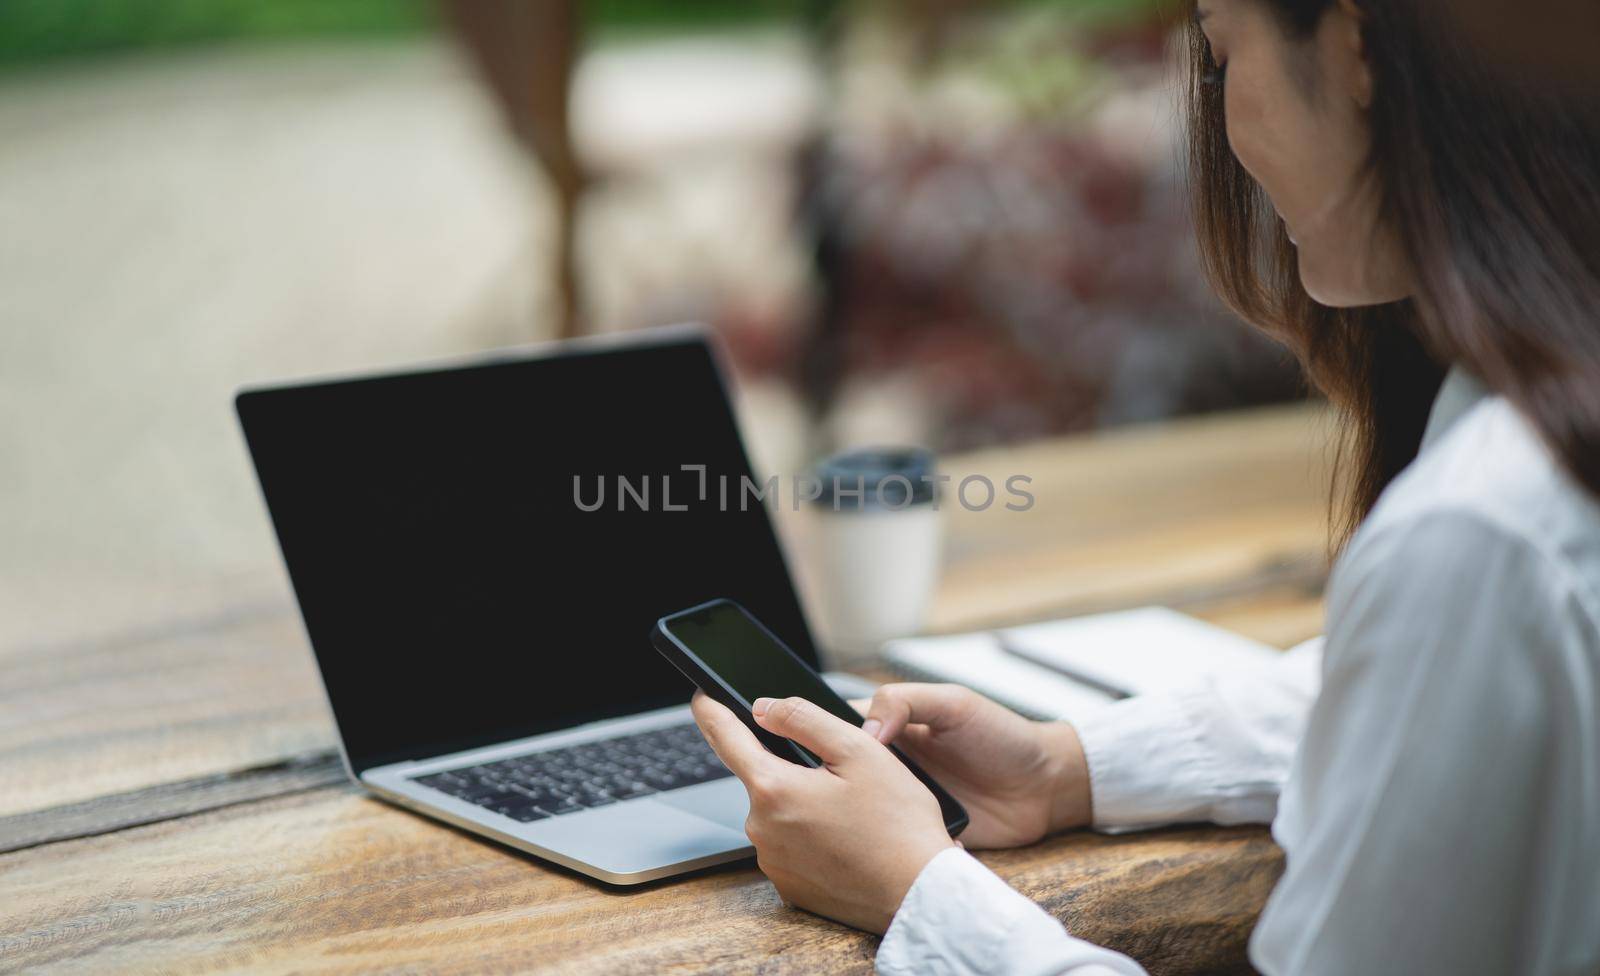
{"x": 948, "y": 222}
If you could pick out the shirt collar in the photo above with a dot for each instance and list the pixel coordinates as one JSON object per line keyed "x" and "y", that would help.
{"x": 1460, "y": 392}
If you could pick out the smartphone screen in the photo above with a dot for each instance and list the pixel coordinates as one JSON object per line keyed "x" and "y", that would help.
{"x": 752, "y": 662}
{"x": 749, "y": 662}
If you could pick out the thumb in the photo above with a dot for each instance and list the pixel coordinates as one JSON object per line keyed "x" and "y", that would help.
{"x": 830, "y": 737}
{"x": 939, "y": 706}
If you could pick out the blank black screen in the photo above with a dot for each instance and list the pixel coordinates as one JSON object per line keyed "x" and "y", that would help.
{"x": 455, "y": 593}
{"x": 736, "y": 649}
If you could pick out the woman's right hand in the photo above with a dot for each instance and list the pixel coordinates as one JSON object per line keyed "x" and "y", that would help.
{"x": 1018, "y": 779}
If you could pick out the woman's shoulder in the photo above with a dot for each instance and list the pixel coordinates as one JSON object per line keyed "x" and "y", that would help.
{"x": 1484, "y": 529}
{"x": 1490, "y": 475}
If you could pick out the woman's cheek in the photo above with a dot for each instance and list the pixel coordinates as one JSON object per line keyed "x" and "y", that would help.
{"x": 1255, "y": 130}
{"x": 1241, "y": 114}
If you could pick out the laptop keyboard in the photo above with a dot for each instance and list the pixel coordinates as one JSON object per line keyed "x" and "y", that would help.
{"x": 581, "y": 777}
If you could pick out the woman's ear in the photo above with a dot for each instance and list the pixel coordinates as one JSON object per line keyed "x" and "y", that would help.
{"x": 1345, "y": 47}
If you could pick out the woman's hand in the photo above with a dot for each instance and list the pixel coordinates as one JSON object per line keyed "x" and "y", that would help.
{"x": 1018, "y": 779}
{"x": 845, "y": 840}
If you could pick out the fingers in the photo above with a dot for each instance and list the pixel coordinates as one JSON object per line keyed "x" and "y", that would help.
{"x": 833, "y": 739}
{"x": 937, "y": 706}
{"x": 734, "y": 744}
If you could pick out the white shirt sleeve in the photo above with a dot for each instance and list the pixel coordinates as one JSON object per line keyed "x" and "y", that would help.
{"x": 1218, "y": 750}
{"x": 959, "y": 919}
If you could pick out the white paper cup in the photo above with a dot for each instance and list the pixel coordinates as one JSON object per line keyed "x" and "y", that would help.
{"x": 877, "y": 535}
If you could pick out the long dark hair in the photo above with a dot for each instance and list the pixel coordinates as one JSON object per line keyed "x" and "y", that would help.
{"x": 1492, "y": 185}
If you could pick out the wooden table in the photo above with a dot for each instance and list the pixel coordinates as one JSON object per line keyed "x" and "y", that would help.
{"x": 169, "y": 798}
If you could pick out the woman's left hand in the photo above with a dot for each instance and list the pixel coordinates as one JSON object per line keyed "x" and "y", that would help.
{"x": 845, "y": 840}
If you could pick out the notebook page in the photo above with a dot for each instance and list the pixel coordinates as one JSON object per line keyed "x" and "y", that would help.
{"x": 1136, "y": 651}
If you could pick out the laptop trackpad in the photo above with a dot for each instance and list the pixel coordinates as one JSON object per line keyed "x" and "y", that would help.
{"x": 626, "y": 838}
{"x": 721, "y": 801}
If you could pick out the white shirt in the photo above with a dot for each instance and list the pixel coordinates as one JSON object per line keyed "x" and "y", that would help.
{"x": 1438, "y": 801}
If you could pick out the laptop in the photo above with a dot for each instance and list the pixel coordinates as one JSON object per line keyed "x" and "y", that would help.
{"x": 479, "y": 551}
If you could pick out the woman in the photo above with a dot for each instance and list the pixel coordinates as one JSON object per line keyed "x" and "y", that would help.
{"x": 1432, "y": 770}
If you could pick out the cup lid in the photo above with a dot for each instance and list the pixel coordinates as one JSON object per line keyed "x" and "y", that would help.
{"x": 876, "y": 478}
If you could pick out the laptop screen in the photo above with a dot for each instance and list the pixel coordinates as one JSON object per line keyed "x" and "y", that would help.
{"x": 480, "y": 552}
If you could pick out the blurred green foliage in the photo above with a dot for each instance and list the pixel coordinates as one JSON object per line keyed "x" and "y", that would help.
{"x": 37, "y": 30}
{"x": 42, "y": 30}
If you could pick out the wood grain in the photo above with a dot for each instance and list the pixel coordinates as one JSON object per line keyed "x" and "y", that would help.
{"x": 230, "y": 691}
{"x": 336, "y": 883}
{"x": 1280, "y": 616}
{"x": 115, "y": 811}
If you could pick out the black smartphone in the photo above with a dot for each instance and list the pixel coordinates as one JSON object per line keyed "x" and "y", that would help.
{"x": 735, "y": 659}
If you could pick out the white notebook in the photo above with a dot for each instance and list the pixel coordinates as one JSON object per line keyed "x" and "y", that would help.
{"x": 1063, "y": 668}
